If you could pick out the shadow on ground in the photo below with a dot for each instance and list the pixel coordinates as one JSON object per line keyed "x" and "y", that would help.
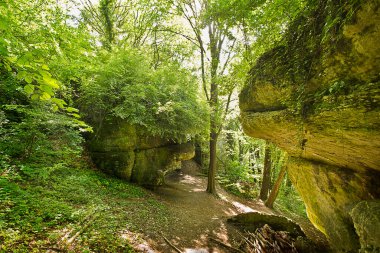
{"x": 196, "y": 216}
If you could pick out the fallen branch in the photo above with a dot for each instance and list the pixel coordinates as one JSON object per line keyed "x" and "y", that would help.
{"x": 246, "y": 240}
{"x": 67, "y": 235}
{"x": 227, "y": 246}
{"x": 171, "y": 245}
{"x": 90, "y": 221}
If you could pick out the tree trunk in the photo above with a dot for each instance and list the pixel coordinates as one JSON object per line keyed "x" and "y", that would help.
{"x": 214, "y": 97}
{"x": 212, "y": 166}
{"x": 276, "y": 188}
{"x": 266, "y": 174}
{"x": 240, "y": 151}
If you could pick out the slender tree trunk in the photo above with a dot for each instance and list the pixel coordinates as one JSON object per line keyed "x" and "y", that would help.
{"x": 212, "y": 166}
{"x": 214, "y": 95}
{"x": 266, "y": 174}
{"x": 276, "y": 188}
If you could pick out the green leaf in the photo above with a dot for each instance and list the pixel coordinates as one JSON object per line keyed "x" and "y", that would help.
{"x": 59, "y": 102}
{"x": 44, "y": 66}
{"x": 71, "y": 109}
{"x": 28, "y": 79}
{"x": 51, "y": 82}
{"x": 75, "y": 115}
{"x": 22, "y": 74}
{"x": 35, "y": 97}
{"x": 47, "y": 89}
{"x": 25, "y": 59}
{"x": 29, "y": 89}
{"x": 44, "y": 73}
{"x": 45, "y": 96}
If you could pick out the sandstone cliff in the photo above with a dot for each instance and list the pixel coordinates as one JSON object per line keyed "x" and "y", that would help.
{"x": 130, "y": 153}
{"x": 318, "y": 98}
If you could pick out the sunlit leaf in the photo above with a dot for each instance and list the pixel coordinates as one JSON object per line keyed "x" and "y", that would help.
{"x": 29, "y": 89}
{"x": 22, "y": 74}
{"x": 47, "y": 89}
{"x": 71, "y": 109}
{"x": 59, "y": 102}
{"x": 75, "y": 115}
{"x": 45, "y": 96}
{"x": 28, "y": 79}
{"x": 51, "y": 82}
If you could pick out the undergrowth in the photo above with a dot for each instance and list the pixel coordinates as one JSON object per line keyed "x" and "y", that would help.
{"x": 289, "y": 202}
{"x": 44, "y": 208}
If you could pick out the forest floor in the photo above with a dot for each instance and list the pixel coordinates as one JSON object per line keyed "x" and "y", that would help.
{"x": 65, "y": 209}
{"x": 197, "y": 216}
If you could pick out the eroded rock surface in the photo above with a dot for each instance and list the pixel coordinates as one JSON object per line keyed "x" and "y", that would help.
{"x": 318, "y": 98}
{"x": 254, "y": 220}
{"x": 128, "y": 152}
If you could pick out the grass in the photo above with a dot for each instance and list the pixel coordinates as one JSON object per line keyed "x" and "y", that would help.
{"x": 44, "y": 207}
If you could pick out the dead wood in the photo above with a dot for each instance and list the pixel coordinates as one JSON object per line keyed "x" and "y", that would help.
{"x": 225, "y": 245}
{"x": 172, "y": 245}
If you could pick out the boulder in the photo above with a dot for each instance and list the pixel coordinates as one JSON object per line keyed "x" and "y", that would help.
{"x": 128, "y": 152}
{"x": 255, "y": 220}
{"x": 318, "y": 98}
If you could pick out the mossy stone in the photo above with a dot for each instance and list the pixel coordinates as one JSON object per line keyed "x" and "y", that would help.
{"x": 366, "y": 218}
{"x": 129, "y": 152}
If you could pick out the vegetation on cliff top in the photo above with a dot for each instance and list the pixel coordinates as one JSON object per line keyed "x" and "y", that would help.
{"x": 162, "y": 100}
{"x": 170, "y": 68}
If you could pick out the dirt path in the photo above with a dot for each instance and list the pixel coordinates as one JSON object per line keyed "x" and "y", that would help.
{"x": 195, "y": 215}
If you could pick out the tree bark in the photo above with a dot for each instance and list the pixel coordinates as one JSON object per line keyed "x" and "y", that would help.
{"x": 212, "y": 166}
{"x": 276, "y": 188}
{"x": 214, "y": 96}
{"x": 266, "y": 174}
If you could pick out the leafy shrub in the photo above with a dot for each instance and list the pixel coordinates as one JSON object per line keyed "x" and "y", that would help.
{"x": 33, "y": 132}
{"x": 239, "y": 179}
{"x": 163, "y": 101}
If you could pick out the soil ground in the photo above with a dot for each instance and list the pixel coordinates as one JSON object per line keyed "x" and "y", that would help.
{"x": 196, "y": 216}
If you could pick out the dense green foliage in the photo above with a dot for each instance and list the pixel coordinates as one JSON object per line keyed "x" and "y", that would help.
{"x": 241, "y": 162}
{"x": 163, "y": 101}
{"x": 36, "y": 115}
{"x": 39, "y": 205}
{"x": 62, "y": 74}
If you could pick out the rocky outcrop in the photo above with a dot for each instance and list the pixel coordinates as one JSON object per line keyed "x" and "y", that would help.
{"x": 318, "y": 98}
{"x": 254, "y": 220}
{"x": 128, "y": 152}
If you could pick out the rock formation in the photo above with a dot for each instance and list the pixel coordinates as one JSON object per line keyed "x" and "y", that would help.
{"x": 254, "y": 220}
{"x": 128, "y": 152}
{"x": 318, "y": 98}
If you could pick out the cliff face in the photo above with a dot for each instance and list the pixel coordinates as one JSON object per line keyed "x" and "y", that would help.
{"x": 318, "y": 98}
{"x": 129, "y": 153}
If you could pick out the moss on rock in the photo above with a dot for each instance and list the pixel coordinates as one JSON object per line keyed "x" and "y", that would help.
{"x": 318, "y": 97}
{"x": 254, "y": 220}
{"x": 123, "y": 150}
{"x": 366, "y": 218}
